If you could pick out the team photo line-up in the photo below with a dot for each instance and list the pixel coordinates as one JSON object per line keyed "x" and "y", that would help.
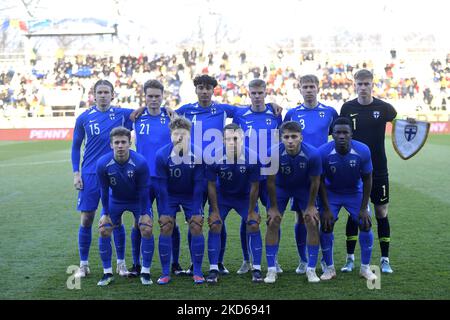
{"x": 189, "y": 156}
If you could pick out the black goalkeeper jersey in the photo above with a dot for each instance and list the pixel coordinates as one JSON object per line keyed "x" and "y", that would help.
{"x": 369, "y": 126}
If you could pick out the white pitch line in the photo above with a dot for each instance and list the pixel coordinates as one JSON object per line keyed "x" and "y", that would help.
{"x": 32, "y": 163}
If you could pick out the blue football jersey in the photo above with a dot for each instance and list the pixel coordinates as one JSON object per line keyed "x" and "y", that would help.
{"x": 259, "y": 128}
{"x": 94, "y": 126}
{"x": 124, "y": 183}
{"x": 180, "y": 175}
{"x": 315, "y": 122}
{"x": 343, "y": 172}
{"x": 204, "y": 119}
{"x": 152, "y": 133}
{"x": 234, "y": 179}
{"x": 295, "y": 171}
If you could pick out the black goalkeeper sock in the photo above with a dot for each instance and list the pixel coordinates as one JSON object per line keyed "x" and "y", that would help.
{"x": 384, "y": 234}
{"x": 351, "y": 231}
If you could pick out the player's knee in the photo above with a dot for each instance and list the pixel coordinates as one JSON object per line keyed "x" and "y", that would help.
{"x": 365, "y": 227}
{"x": 253, "y": 226}
{"x": 166, "y": 225}
{"x": 327, "y": 229}
{"x": 381, "y": 211}
{"x": 274, "y": 222}
{"x": 215, "y": 224}
{"x": 87, "y": 219}
{"x": 310, "y": 222}
{"x": 195, "y": 225}
{"x": 105, "y": 231}
{"x": 146, "y": 226}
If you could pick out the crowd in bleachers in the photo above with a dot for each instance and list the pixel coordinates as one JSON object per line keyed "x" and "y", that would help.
{"x": 22, "y": 92}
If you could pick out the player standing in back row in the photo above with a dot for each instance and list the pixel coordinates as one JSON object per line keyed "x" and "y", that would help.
{"x": 369, "y": 116}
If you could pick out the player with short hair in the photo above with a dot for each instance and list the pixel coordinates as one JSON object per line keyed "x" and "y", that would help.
{"x": 346, "y": 182}
{"x": 315, "y": 119}
{"x": 237, "y": 179}
{"x": 369, "y": 116}
{"x": 93, "y": 127}
{"x": 208, "y": 119}
{"x": 124, "y": 180}
{"x": 298, "y": 170}
{"x": 259, "y": 122}
{"x": 180, "y": 177}
{"x": 152, "y": 133}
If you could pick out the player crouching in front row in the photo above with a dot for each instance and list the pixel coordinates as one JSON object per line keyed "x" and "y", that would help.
{"x": 180, "y": 178}
{"x": 125, "y": 173}
{"x": 346, "y": 182}
{"x": 297, "y": 171}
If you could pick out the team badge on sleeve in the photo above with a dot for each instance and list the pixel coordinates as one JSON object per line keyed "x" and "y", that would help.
{"x": 408, "y": 138}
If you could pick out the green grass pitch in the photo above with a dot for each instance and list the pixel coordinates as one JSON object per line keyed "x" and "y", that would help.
{"x": 39, "y": 226}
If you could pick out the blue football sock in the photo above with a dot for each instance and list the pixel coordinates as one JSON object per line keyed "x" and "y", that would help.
{"x": 300, "y": 238}
{"x": 84, "y": 242}
{"x": 213, "y": 247}
{"x": 165, "y": 251}
{"x": 148, "y": 247}
{"x": 366, "y": 243}
{"x": 136, "y": 245}
{"x": 255, "y": 245}
{"x": 326, "y": 242}
{"x": 223, "y": 242}
{"x": 313, "y": 253}
{"x": 198, "y": 249}
{"x": 104, "y": 247}
{"x": 176, "y": 236}
{"x": 271, "y": 252}
{"x": 119, "y": 241}
{"x": 244, "y": 240}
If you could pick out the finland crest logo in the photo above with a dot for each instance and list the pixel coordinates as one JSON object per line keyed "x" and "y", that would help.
{"x": 302, "y": 165}
{"x": 112, "y": 116}
{"x": 242, "y": 169}
{"x": 409, "y": 137}
{"x": 268, "y": 121}
{"x": 163, "y": 119}
{"x": 213, "y": 110}
{"x": 333, "y": 169}
{"x": 130, "y": 173}
{"x": 192, "y": 165}
{"x": 321, "y": 114}
{"x": 376, "y": 114}
{"x": 352, "y": 163}
{"x": 410, "y": 132}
